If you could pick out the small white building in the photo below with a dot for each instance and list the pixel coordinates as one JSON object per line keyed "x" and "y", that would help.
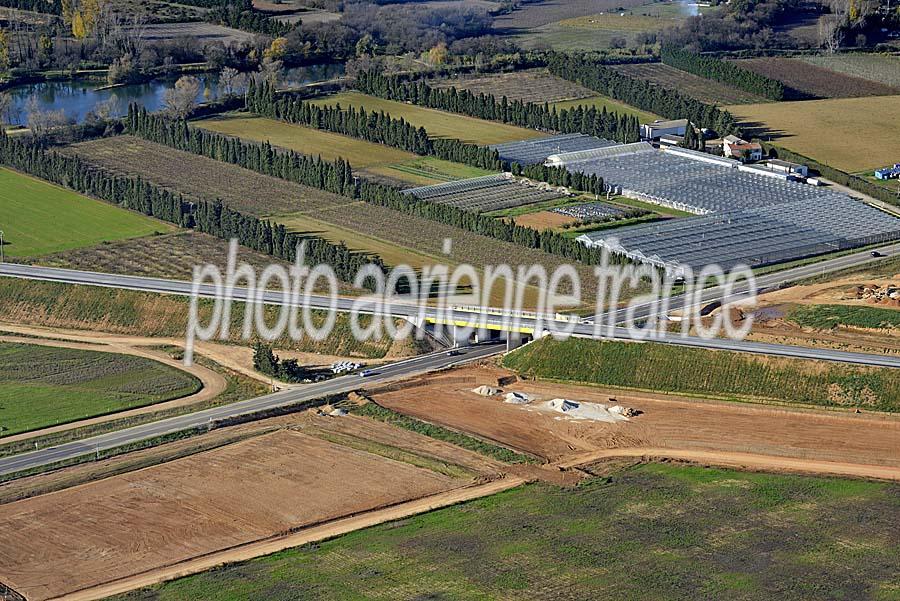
{"x": 742, "y": 150}
{"x": 659, "y": 128}
{"x": 788, "y": 167}
{"x": 670, "y": 140}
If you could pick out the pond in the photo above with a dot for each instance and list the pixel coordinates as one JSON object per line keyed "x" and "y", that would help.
{"x": 79, "y": 97}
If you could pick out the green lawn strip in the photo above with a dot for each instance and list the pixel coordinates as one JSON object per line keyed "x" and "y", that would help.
{"x": 826, "y": 317}
{"x": 721, "y": 375}
{"x": 238, "y": 388}
{"x": 376, "y": 411}
{"x": 39, "y": 218}
{"x": 655, "y": 531}
{"x": 44, "y": 386}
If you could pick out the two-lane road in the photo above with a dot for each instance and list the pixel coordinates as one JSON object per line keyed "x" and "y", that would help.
{"x": 275, "y": 400}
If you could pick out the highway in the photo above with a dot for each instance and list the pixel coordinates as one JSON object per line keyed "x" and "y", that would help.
{"x": 771, "y": 281}
{"x": 415, "y": 312}
{"x": 347, "y": 383}
{"x": 290, "y": 396}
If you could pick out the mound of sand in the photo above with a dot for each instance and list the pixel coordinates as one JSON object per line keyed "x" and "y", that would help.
{"x": 486, "y": 391}
{"x": 587, "y": 411}
{"x": 517, "y": 398}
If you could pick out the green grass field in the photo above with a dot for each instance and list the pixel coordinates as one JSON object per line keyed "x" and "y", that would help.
{"x": 610, "y": 104}
{"x": 645, "y": 533}
{"x": 826, "y": 317}
{"x": 363, "y": 156}
{"x": 43, "y": 386}
{"x": 438, "y": 124}
{"x": 38, "y": 218}
{"x": 850, "y": 134}
{"x": 713, "y": 374}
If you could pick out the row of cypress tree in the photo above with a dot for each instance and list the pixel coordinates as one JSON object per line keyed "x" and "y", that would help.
{"x": 211, "y": 217}
{"x": 381, "y": 128}
{"x": 580, "y": 119}
{"x": 727, "y": 72}
{"x": 337, "y": 177}
{"x": 377, "y": 127}
{"x": 593, "y": 74}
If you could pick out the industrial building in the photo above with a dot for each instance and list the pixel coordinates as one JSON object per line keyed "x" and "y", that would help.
{"x": 660, "y": 127}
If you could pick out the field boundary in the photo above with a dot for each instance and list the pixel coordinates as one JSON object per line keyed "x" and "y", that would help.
{"x": 311, "y": 534}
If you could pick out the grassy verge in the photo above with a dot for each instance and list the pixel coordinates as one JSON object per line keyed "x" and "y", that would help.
{"x": 655, "y": 531}
{"x": 720, "y": 375}
{"x": 826, "y": 317}
{"x": 376, "y": 411}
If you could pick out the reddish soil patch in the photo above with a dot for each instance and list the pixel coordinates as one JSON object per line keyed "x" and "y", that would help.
{"x": 169, "y": 513}
{"x": 543, "y": 220}
{"x": 815, "y": 81}
{"x": 667, "y": 422}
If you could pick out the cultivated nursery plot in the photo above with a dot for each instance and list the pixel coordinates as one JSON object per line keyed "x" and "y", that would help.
{"x": 880, "y": 68}
{"x": 486, "y": 194}
{"x": 815, "y": 81}
{"x": 43, "y": 386}
{"x": 702, "y": 89}
{"x": 202, "y": 178}
{"x": 39, "y": 218}
{"x": 590, "y": 210}
{"x": 535, "y": 85}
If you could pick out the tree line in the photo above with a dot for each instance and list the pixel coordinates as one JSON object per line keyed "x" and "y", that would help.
{"x": 381, "y": 128}
{"x": 337, "y": 177}
{"x": 240, "y": 14}
{"x": 639, "y": 93}
{"x": 726, "y": 72}
{"x": 211, "y": 217}
{"x": 50, "y": 7}
{"x": 377, "y": 127}
{"x": 580, "y": 119}
{"x": 267, "y": 362}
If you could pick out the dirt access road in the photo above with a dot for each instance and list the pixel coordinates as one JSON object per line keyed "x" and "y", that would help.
{"x": 775, "y": 438}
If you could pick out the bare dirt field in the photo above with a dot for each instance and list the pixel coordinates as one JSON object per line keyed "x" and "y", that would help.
{"x": 534, "y": 85}
{"x": 543, "y": 220}
{"x": 668, "y": 422}
{"x": 816, "y": 81}
{"x": 179, "y": 510}
{"x": 203, "y": 178}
